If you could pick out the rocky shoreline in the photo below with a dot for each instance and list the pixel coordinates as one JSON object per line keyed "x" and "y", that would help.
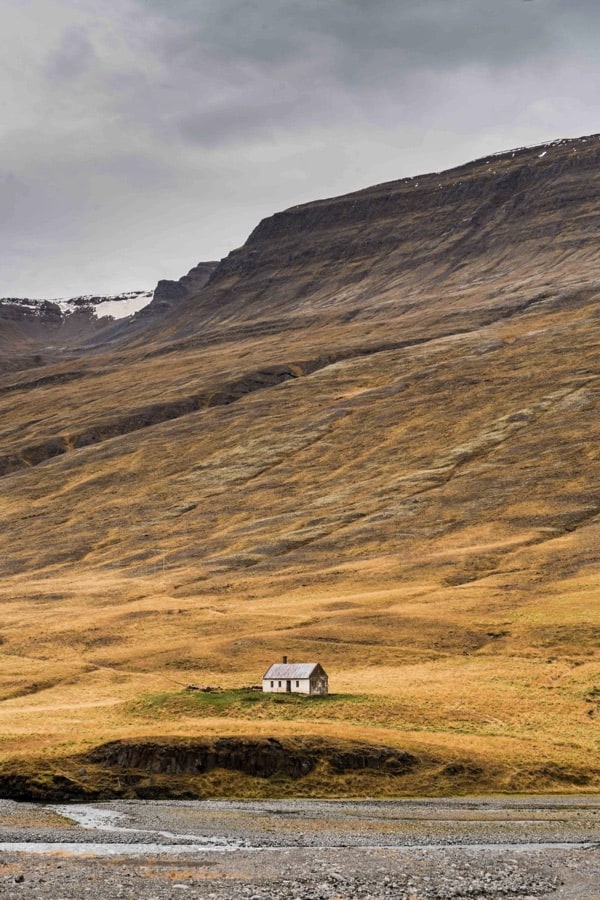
{"x": 314, "y": 850}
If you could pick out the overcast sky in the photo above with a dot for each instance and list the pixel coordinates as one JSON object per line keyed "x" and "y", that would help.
{"x": 139, "y": 137}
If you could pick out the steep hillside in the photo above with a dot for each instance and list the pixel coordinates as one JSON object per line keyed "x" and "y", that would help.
{"x": 509, "y": 221}
{"x": 368, "y": 437}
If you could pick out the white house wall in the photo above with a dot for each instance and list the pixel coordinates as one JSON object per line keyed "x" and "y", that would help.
{"x": 299, "y": 686}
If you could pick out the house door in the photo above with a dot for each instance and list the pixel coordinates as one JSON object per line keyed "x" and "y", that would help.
{"x": 288, "y": 687}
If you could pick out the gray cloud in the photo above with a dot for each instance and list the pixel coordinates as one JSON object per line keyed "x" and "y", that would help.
{"x": 73, "y": 55}
{"x": 143, "y": 135}
{"x": 259, "y": 64}
{"x": 432, "y": 33}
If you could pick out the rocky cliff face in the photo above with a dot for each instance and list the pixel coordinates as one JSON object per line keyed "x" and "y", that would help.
{"x": 528, "y": 215}
{"x": 170, "y": 293}
{"x": 166, "y": 768}
{"x": 263, "y": 758}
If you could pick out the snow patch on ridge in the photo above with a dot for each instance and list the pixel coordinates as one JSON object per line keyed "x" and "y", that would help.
{"x": 547, "y": 145}
{"x": 116, "y": 306}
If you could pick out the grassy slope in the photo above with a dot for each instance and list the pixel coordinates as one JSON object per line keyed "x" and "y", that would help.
{"x": 422, "y": 520}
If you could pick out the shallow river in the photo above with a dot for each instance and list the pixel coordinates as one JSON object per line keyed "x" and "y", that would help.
{"x": 493, "y": 848}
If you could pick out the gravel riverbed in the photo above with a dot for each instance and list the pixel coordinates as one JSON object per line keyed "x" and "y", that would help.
{"x": 314, "y": 850}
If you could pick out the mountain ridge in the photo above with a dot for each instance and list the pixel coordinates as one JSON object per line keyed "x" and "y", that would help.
{"x": 363, "y": 228}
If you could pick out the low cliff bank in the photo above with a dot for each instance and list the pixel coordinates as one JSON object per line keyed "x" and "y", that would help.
{"x": 254, "y": 768}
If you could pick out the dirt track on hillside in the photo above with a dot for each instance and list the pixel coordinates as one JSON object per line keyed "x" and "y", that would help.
{"x": 407, "y": 850}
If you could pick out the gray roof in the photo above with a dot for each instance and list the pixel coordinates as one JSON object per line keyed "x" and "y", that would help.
{"x": 290, "y": 670}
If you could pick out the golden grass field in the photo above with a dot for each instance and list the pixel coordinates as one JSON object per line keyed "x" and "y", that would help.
{"x": 418, "y": 509}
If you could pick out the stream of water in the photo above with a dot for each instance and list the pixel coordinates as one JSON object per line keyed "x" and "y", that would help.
{"x": 104, "y": 824}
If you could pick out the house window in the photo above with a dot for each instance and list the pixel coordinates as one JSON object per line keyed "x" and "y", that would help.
{"x": 278, "y": 684}
{"x": 297, "y": 684}
{"x": 272, "y": 684}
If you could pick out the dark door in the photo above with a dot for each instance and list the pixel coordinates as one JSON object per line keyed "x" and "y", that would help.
{"x": 288, "y": 687}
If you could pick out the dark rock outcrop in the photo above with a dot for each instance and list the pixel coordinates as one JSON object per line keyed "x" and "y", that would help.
{"x": 48, "y": 787}
{"x": 396, "y": 762}
{"x": 169, "y": 293}
{"x": 166, "y": 293}
{"x": 252, "y": 757}
{"x": 260, "y": 758}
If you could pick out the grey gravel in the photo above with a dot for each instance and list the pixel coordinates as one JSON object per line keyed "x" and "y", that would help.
{"x": 309, "y": 850}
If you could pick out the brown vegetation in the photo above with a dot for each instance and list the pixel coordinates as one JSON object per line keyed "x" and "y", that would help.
{"x": 369, "y": 440}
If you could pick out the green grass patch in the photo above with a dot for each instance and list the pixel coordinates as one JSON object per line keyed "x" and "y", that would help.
{"x": 241, "y": 703}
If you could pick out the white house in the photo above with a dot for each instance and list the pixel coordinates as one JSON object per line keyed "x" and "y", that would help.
{"x": 295, "y": 678}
